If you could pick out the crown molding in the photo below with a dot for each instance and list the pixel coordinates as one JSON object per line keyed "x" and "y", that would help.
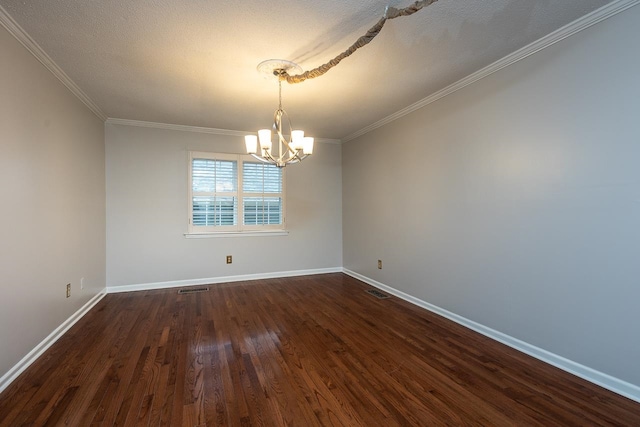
{"x": 196, "y": 129}
{"x": 21, "y": 35}
{"x": 168, "y": 126}
{"x": 568, "y": 30}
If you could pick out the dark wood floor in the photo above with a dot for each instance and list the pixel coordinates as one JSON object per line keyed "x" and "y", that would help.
{"x": 305, "y": 351}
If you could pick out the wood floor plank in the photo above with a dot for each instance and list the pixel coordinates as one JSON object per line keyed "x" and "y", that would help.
{"x": 300, "y": 351}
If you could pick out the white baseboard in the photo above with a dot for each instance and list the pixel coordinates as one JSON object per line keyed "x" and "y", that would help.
{"x": 31, "y": 357}
{"x": 613, "y": 384}
{"x": 224, "y": 279}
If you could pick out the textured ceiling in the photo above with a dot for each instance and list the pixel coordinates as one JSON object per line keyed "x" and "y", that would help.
{"x": 194, "y": 62}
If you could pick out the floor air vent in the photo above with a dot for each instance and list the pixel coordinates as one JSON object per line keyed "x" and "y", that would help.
{"x": 376, "y": 293}
{"x": 192, "y": 290}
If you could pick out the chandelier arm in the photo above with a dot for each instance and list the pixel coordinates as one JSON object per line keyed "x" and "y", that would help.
{"x": 300, "y": 158}
{"x": 292, "y": 152}
{"x": 262, "y": 159}
{"x": 294, "y": 158}
{"x": 267, "y": 155}
{"x": 389, "y": 13}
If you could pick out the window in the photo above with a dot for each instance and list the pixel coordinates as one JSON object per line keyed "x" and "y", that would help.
{"x": 234, "y": 193}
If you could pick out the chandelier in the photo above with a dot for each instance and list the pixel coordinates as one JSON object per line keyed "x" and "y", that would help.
{"x": 298, "y": 146}
{"x": 292, "y": 150}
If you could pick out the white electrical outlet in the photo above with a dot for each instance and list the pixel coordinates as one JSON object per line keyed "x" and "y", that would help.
{"x": 82, "y": 283}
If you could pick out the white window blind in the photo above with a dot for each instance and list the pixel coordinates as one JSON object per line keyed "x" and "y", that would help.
{"x": 262, "y": 194}
{"x": 230, "y": 193}
{"x": 215, "y": 192}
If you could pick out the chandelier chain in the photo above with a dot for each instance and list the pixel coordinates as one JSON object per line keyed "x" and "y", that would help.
{"x": 390, "y": 13}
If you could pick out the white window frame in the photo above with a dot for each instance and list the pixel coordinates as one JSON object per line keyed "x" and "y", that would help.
{"x": 239, "y": 229}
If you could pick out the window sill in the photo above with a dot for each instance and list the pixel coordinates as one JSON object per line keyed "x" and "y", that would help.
{"x": 236, "y": 234}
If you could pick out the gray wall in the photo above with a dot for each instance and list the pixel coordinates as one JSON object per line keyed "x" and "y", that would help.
{"x": 52, "y": 190}
{"x": 147, "y": 212}
{"x": 517, "y": 201}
